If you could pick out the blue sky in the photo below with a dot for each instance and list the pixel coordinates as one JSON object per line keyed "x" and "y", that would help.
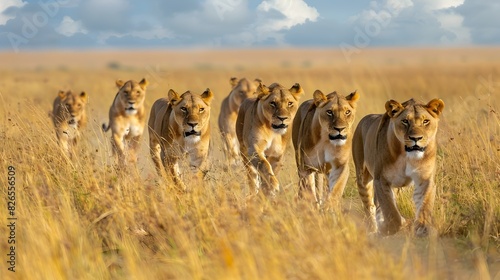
{"x": 90, "y": 24}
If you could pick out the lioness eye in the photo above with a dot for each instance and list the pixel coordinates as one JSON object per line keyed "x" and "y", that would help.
{"x": 290, "y": 104}
{"x": 184, "y": 109}
{"x": 348, "y": 112}
{"x": 273, "y": 104}
{"x": 202, "y": 110}
{"x": 426, "y": 122}
{"x": 329, "y": 113}
{"x": 405, "y": 122}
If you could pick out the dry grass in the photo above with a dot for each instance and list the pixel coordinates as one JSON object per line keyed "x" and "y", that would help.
{"x": 85, "y": 220}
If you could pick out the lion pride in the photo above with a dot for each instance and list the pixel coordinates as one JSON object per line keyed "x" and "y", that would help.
{"x": 264, "y": 128}
{"x": 393, "y": 150}
{"x": 322, "y": 140}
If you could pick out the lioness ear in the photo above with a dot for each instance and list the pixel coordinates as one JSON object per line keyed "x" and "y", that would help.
{"x": 61, "y": 94}
{"x": 172, "y": 96}
{"x": 143, "y": 83}
{"x": 435, "y": 106}
{"x": 393, "y": 107}
{"x": 353, "y": 97}
{"x": 119, "y": 83}
{"x": 207, "y": 96}
{"x": 233, "y": 81}
{"x": 297, "y": 91}
{"x": 318, "y": 97}
{"x": 262, "y": 91}
{"x": 83, "y": 96}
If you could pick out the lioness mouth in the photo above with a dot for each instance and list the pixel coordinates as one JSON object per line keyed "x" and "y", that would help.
{"x": 71, "y": 121}
{"x": 280, "y": 126}
{"x": 414, "y": 148}
{"x": 192, "y": 132}
{"x": 130, "y": 109}
{"x": 337, "y": 137}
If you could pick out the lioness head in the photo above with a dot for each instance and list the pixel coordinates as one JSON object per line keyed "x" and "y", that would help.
{"x": 336, "y": 114}
{"x": 191, "y": 112}
{"x": 415, "y": 124}
{"x": 73, "y": 105}
{"x": 278, "y": 105}
{"x": 243, "y": 89}
{"x": 131, "y": 95}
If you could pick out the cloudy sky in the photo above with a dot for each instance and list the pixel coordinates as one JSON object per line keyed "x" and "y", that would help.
{"x": 84, "y": 24}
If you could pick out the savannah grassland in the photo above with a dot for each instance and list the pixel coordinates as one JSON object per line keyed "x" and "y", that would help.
{"x": 83, "y": 219}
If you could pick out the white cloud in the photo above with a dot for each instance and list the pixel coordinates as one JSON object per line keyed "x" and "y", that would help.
{"x": 449, "y": 20}
{"x": 418, "y": 14}
{"x": 4, "y": 5}
{"x": 453, "y": 22}
{"x": 69, "y": 27}
{"x": 434, "y": 5}
{"x": 295, "y": 12}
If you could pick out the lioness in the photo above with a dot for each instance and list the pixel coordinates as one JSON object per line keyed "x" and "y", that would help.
{"x": 264, "y": 128}
{"x": 322, "y": 140}
{"x": 69, "y": 117}
{"x": 179, "y": 125}
{"x": 127, "y": 117}
{"x": 393, "y": 150}
{"x": 241, "y": 90}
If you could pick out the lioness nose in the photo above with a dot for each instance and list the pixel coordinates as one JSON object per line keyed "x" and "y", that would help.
{"x": 416, "y": 139}
{"x": 192, "y": 124}
{"x": 282, "y": 118}
{"x": 339, "y": 129}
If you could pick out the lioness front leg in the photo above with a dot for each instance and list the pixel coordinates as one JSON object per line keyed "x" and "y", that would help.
{"x": 62, "y": 138}
{"x": 385, "y": 199}
{"x": 118, "y": 146}
{"x": 172, "y": 168}
{"x": 260, "y": 163}
{"x": 155, "y": 151}
{"x": 307, "y": 185}
{"x": 133, "y": 148}
{"x": 232, "y": 149}
{"x": 276, "y": 165}
{"x": 198, "y": 164}
{"x": 423, "y": 197}
{"x": 337, "y": 179}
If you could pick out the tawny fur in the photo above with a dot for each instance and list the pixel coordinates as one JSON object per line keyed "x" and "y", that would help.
{"x": 393, "y": 150}
{"x": 127, "y": 117}
{"x": 322, "y": 140}
{"x": 264, "y": 128}
{"x": 69, "y": 117}
{"x": 241, "y": 90}
{"x": 178, "y": 126}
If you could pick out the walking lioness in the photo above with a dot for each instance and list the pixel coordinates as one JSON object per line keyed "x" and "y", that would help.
{"x": 264, "y": 127}
{"x": 230, "y": 106}
{"x": 69, "y": 117}
{"x": 127, "y": 117}
{"x": 393, "y": 150}
{"x": 180, "y": 125}
{"x": 322, "y": 140}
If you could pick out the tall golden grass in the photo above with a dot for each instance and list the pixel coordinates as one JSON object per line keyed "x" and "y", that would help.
{"x": 83, "y": 219}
